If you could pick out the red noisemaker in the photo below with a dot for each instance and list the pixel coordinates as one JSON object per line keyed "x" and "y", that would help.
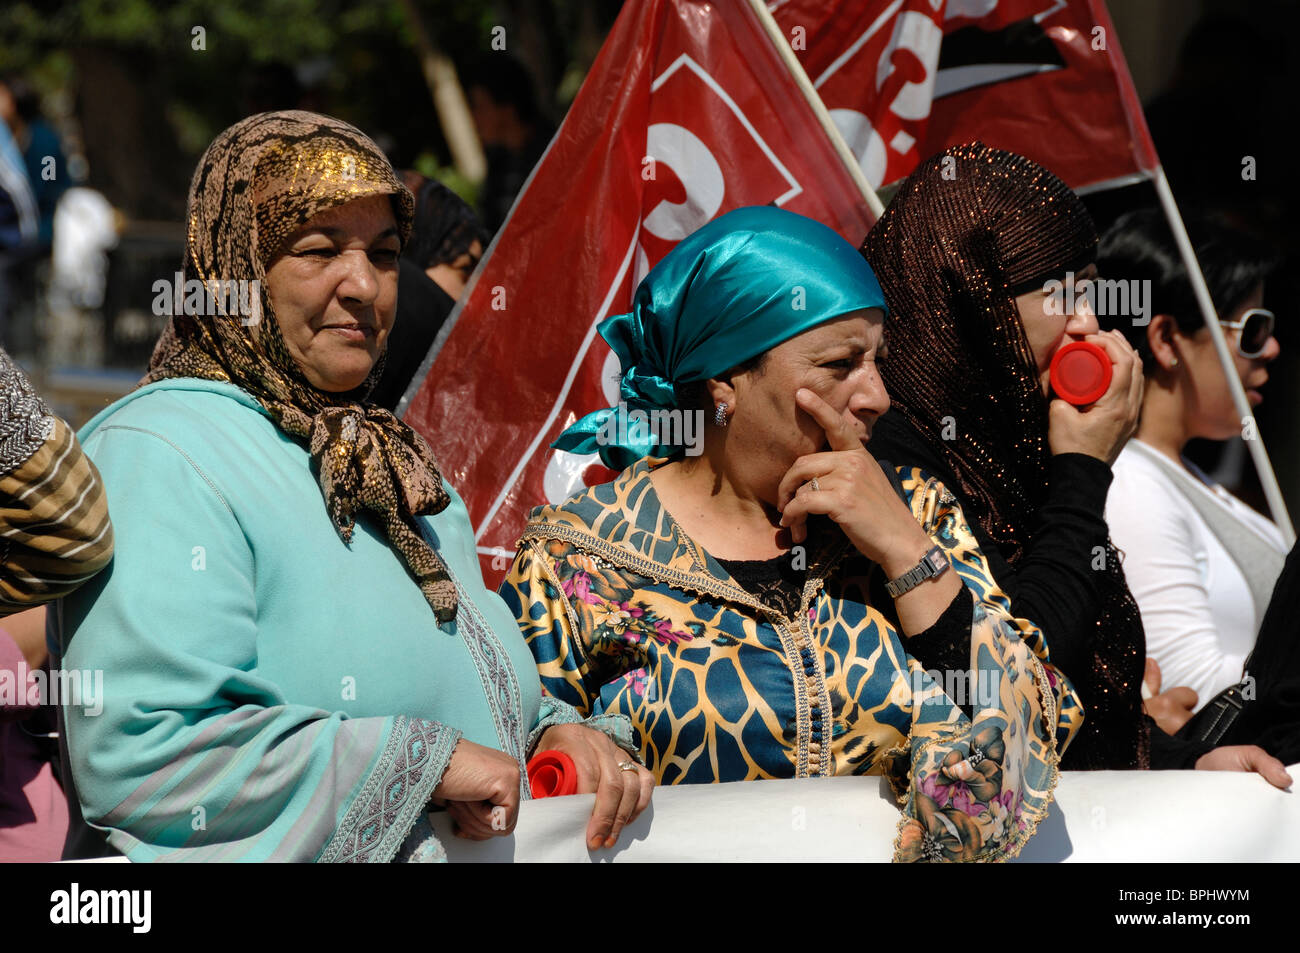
{"x": 1080, "y": 372}
{"x": 552, "y": 774}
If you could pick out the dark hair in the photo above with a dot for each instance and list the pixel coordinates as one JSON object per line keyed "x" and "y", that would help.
{"x": 506, "y": 81}
{"x": 27, "y": 102}
{"x": 694, "y": 395}
{"x": 271, "y": 86}
{"x": 444, "y": 228}
{"x": 1141, "y": 247}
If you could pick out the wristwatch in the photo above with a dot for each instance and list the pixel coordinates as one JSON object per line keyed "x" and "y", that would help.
{"x": 934, "y": 563}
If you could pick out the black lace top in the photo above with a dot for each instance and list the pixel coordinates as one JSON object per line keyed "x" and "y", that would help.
{"x": 774, "y": 582}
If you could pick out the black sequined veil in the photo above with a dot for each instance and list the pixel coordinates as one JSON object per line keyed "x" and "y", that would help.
{"x": 966, "y": 232}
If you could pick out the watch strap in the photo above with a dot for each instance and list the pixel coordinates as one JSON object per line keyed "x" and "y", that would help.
{"x": 933, "y": 563}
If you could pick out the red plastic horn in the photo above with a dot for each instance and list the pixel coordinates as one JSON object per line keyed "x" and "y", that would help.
{"x": 1080, "y": 372}
{"x": 552, "y": 774}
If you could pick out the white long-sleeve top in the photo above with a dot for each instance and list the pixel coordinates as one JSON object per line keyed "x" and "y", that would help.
{"x": 1196, "y": 606}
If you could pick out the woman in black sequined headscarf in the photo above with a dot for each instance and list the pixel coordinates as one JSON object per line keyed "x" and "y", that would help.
{"x": 963, "y": 253}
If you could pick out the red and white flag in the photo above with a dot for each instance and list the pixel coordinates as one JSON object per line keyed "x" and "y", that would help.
{"x": 687, "y": 113}
{"x": 906, "y": 79}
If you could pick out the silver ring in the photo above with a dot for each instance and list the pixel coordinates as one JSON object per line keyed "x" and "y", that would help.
{"x": 815, "y": 485}
{"x": 627, "y": 765}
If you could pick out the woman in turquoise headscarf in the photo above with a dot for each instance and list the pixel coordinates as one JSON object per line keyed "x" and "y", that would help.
{"x": 766, "y": 602}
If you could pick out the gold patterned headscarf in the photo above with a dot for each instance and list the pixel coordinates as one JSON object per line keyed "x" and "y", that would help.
{"x": 258, "y": 183}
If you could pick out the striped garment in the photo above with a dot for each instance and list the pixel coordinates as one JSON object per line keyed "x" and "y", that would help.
{"x": 54, "y": 528}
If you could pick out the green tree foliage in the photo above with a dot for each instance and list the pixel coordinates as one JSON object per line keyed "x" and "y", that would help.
{"x": 356, "y": 59}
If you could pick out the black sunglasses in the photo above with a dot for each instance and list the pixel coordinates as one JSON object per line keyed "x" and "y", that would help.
{"x": 1256, "y": 328}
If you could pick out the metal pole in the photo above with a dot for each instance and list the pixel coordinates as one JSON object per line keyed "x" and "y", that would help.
{"x": 818, "y": 107}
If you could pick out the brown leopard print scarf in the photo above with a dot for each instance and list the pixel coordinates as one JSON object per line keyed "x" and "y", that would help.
{"x": 257, "y": 183}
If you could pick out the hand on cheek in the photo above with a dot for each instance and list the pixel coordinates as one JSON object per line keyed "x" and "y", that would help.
{"x": 851, "y": 489}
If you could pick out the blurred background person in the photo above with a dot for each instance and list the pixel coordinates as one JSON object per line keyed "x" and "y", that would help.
{"x": 446, "y": 244}
{"x": 19, "y": 221}
{"x": 1201, "y": 564}
{"x": 511, "y": 126}
{"x": 32, "y": 152}
{"x": 41, "y": 149}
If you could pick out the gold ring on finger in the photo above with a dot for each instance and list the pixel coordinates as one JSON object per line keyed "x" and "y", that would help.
{"x": 627, "y": 765}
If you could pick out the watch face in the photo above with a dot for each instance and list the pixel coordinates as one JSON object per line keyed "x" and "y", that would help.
{"x": 937, "y": 560}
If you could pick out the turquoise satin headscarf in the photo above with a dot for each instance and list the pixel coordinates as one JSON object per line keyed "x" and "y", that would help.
{"x": 730, "y": 291}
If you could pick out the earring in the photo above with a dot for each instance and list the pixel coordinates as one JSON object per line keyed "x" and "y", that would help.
{"x": 720, "y": 415}
{"x": 1174, "y": 362}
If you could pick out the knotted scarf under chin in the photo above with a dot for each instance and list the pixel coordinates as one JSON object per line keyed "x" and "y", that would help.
{"x": 370, "y": 460}
{"x": 623, "y": 438}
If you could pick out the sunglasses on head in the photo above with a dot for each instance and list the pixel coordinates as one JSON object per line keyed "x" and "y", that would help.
{"x": 1256, "y": 328}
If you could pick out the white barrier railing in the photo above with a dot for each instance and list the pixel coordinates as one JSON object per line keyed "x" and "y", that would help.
{"x": 1101, "y": 816}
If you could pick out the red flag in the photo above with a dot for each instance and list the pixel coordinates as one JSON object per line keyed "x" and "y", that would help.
{"x": 687, "y": 113}
{"x": 909, "y": 78}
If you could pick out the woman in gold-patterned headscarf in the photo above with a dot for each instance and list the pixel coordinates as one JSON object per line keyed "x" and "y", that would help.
{"x": 303, "y": 700}
{"x": 262, "y": 179}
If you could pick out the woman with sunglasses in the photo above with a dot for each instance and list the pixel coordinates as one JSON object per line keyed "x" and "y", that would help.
{"x": 1200, "y": 563}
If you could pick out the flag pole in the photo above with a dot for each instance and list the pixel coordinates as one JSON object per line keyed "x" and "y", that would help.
{"x": 1255, "y": 443}
{"x": 818, "y": 107}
